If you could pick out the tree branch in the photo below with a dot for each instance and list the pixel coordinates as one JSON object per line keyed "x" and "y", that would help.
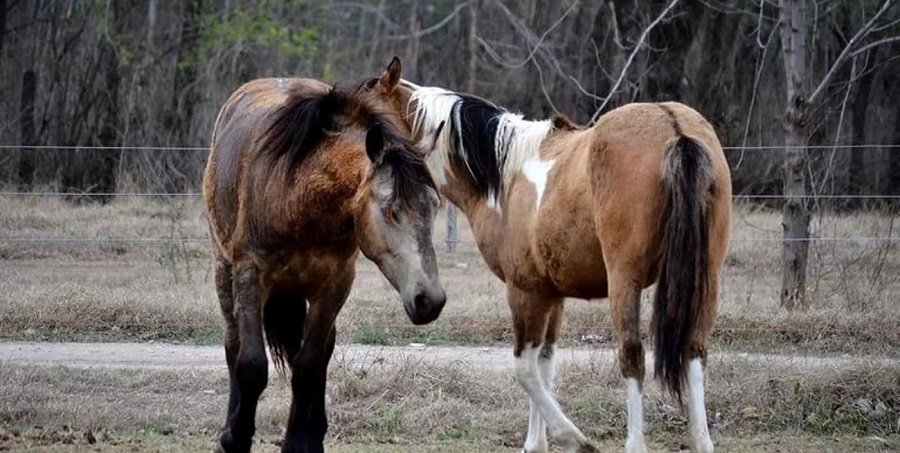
{"x": 848, "y": 51}
{"x": 875, "y": 44}
{"x": 433, "y": 28}
{"x": 634, "y": 52}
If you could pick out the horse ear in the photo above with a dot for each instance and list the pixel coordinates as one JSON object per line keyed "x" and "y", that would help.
{"x": 375, "y": 143}
{"x": 562, "y": 122}
{"x": 391, "y": 76}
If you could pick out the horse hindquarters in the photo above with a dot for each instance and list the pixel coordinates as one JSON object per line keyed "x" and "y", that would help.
{"x": 659, "y": 227}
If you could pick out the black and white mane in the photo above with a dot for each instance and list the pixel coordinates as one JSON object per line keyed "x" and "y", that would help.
{"x": 489, "y": 141}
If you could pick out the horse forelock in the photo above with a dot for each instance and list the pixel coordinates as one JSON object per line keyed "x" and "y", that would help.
{"x": 410, "y": 172}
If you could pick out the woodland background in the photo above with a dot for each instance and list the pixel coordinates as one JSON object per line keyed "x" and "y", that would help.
{"x": 154, "y": 73}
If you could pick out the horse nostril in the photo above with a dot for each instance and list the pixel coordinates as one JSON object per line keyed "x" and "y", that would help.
{"x": 420, "y": 301}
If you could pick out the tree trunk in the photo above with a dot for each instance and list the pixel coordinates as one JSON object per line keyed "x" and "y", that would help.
{"x": 471, "y": 78}
{"x": 185, "y": 95}
{"x": 2, "y": 27}
{"x": 412, "y": 46}
{"x": 859, "y": 181}
{"x": 796, "y": 213}
{"x": 26, "y": 124}
{"x": 378, "y": 31}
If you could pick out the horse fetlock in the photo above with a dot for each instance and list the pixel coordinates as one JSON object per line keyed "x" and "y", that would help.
{"x": 229, "y": 442}
{"x": 570, "y": 437}
{"x": 303, "y": 444}
{"x": 540, "y": 446}
{"x": 704, "y": 445}
{"x": 635, "y": 444}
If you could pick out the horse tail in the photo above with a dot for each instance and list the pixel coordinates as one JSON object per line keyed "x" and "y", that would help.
{"x": 684, "y": 261}
{"x": 283, "y": 319}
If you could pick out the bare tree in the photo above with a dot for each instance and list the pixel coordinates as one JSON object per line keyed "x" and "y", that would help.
{"x": 471, "y": 79}
{"x": 797, "y": 119}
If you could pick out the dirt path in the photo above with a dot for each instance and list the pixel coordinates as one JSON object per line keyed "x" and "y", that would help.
{"x": 173, "y": 357}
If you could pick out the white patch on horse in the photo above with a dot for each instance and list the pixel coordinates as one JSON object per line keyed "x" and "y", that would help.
{"x": 493, "y": 203}
{"x": 433, "y": 106}
{"x": 517, "y": 141}
{"x": 536, "y": 439}
{"x": 635, "y": 441}
{"x": 536, "y": 171}
{"x": 529, "y": 376}
{"x": 408, "y": 84}
{"x": 696, "y": 408}
{"x": 282, "y": 82}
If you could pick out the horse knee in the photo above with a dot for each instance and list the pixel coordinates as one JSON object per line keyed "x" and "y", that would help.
{"x": 631, "y": 360}
{"x": 252, "y": 372}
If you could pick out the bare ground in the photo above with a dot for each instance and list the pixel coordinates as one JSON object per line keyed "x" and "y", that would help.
{"x": 164, "y": 356}
{"x": 154, "y": 396}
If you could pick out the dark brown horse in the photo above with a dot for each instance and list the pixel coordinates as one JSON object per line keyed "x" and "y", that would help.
{"x": 642, "y": 197}
{"x": 300, "y": 177}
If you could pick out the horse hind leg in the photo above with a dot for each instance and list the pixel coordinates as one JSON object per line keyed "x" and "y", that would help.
{"x": 625, "y": 308}
{"x": 531, "y": 315}
{"x": 251, "y": 365}
{"x": 697, "y": 421}
{"x": 224, "y": 291}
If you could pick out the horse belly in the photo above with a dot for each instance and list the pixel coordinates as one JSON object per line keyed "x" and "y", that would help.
{"x": 568, "y": 251}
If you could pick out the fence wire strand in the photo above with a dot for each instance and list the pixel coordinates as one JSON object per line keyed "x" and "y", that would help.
{"x": 206, "y": 148}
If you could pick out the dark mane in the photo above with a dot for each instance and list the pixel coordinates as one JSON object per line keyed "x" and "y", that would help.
{"x": 474, "y": 130}
{"x": 410, "y": 171}
{"x": 300, "y": 125}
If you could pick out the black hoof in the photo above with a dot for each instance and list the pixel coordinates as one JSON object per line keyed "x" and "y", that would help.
{"x": 303, "y": 446}
{"x": 228, "y": 443}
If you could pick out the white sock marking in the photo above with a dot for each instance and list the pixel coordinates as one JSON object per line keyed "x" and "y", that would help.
{"x": 536, "y": 171}
{"x": 635, "y": 441}
{"x": 696, "y": 408}
{"x": 537, "y": 427}
{"x": 536, "y": 439}
{"x": 528, "y": 373}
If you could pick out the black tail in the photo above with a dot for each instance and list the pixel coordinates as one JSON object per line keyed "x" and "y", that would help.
{"x": 684, "y": 262}
{"x": 283, "y": 318}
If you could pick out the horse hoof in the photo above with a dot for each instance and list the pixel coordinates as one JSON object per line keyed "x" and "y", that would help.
{"x": 303, "y": 446}
{"x": 227, "y": 444}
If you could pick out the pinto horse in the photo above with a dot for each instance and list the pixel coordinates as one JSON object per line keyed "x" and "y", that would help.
{"x": 300, "y": 177}
{"x": 642, "y": 197}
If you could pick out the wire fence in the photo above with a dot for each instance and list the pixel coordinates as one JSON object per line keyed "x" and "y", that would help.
{"x": 198, "y": 194}
{"x": 163, "y": 195}
{"x": 53, "y": 240}
{"x": 206, "y": 148}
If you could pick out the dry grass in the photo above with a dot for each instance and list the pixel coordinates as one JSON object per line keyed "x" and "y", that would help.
{"x": 112, "y": 291}
{"x": 753, "y": 406}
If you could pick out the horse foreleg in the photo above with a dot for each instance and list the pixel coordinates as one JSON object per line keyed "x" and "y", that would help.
{"x": 531, "y": 314}
{"x": 308, "y": 424}
{"x": 251, "y": 369}
{"x": 536, "y": 439}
